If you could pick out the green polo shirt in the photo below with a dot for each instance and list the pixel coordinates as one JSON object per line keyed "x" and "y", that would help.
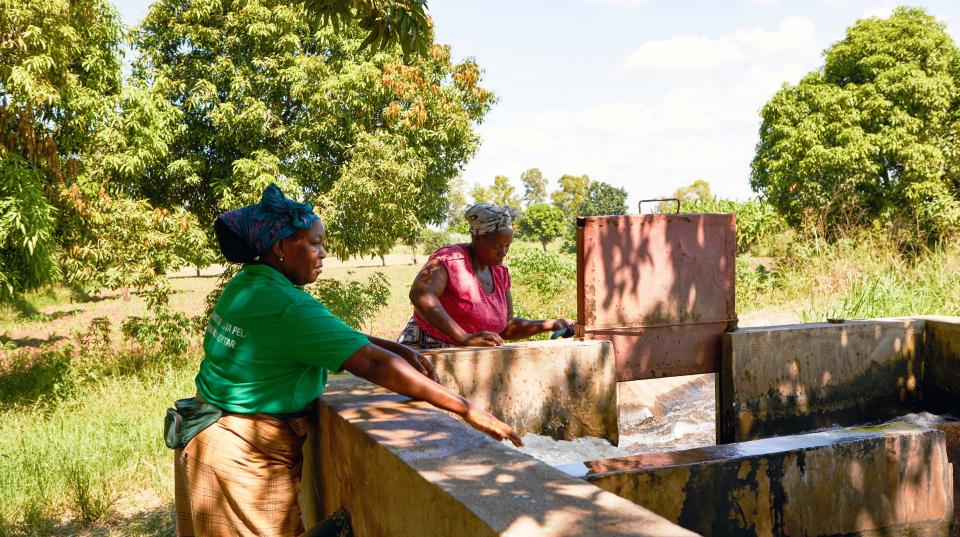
{"x": 269, "y": 344}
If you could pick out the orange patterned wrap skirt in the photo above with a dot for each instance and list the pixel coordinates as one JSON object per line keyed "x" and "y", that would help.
{"x": 241, "y": 476}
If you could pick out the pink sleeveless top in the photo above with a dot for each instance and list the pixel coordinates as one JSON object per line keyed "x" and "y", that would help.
{"x": 465, "y": 300}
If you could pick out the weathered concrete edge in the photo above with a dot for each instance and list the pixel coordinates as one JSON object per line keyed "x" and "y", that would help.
{"x": 385, "y": 458}
{"x": 698, "y": 487}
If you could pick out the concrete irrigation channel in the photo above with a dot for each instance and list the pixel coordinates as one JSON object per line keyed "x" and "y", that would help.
{"x": 811, "y": 429}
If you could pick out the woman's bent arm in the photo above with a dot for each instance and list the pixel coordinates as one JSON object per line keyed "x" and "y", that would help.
{"x": 427, "y": 287}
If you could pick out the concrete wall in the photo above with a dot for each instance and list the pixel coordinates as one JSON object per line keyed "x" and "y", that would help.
{"x": 404, "y": 468}
{"x": 789, "y": 379}
{"x": 564, "y": 389}
{"x": 886, "y": 481}
{"x": 942, "y": 363}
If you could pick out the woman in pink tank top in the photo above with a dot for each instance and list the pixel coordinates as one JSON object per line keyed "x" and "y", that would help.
{"x": 461, "y": 297}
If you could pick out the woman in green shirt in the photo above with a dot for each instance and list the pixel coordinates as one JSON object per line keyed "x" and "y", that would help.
{"x": 267, "y": 350}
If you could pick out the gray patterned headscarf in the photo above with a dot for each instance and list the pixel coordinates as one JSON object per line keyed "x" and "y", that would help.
{"x": 486, "y": 218}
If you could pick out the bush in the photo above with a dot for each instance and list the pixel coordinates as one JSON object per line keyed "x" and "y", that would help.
{"x": 548, "y": 273}
{"x": 164, "y": 332}
{"x": 756, "y": 221}
{"x": 354, "y": 302}
{"x": 434, "y": 240}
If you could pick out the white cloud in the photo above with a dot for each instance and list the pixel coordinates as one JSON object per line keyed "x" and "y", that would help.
{"x": 700, "y": 123}
{"x": 763, "y": 3}
{"x": 794, "y": 37}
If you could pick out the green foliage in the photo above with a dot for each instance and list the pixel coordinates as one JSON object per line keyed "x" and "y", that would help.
{"x": 929, "y": 285}
{"x": 603, "y": 199}
{"x": 434, "y": 240}
{"x": 757, "y": 221}
{"x": 355, "y": 303}
{"x": 568, "y": 198}
{"x": 456, "y": 204}
{"x": 264, "y": 97}
{"x": 501, "y": 192}
{"x": 543, "y": 223}
{"x": 549, "y": 273}
{"x": 697, "y": 190}
{"x": 481, "y": 194}
{"x": 163, "y": 332}
{"x": 534, "y": 187}
{"x": 91, "y": 495}
{"x": 26, "y": 228}
{"x": 387, "y": 22}
{"x": 544, "y": 283}
{"x": 870, "y": 138}
{"x": 125, "y": 243}
{"x": 59, "y": 69}
{"x": 377, "y": 185}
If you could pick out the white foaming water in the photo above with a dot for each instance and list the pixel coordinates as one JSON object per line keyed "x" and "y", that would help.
{"x": 688, "y": 421}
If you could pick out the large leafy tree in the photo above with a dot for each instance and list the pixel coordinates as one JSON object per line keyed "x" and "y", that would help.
{"x": 59, "y": 72}
{"x": 872, "y": 136}
{"x": 543, "y": 222}
{"x": 603, "y": 199}
{"x": 534, "y": 186}
{"x": 371, "y": 136}
{"x": 570, "y": 194}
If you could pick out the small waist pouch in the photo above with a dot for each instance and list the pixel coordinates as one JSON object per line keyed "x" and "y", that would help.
{"x": 187, "y": 419}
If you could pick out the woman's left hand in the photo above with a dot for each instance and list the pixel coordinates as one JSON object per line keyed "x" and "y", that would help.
{"x": 421, "y": 364}
{"x": 559, "y": 324}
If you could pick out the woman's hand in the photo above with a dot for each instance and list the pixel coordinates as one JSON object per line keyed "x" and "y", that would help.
{"x": 420, "y": 363}
{"x": 483, "y": 422}
{"x": 559, "y": 324}
{"x": 482, "y": 339}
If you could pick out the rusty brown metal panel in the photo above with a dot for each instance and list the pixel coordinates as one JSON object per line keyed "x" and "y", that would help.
{"x": 660, "y": 287}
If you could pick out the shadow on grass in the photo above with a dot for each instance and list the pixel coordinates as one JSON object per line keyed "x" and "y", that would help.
{"x": 33, "y": 342}
{"x": 192, "y": 277}
{"x": 155, "y": 522}
{"x": 30, "y": 377}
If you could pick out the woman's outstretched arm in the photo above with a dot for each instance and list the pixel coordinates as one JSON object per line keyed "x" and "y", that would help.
{"x": 386, "y": 369}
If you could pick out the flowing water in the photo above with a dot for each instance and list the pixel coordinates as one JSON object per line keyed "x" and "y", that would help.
{"x": 688, "y": 421}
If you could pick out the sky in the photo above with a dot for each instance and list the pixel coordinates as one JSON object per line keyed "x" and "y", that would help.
{"x": 647, "y": 95}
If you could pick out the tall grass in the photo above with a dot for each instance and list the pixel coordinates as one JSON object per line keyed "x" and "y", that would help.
{"x": 861, "y": 276}
{"x": 85, "y": 434}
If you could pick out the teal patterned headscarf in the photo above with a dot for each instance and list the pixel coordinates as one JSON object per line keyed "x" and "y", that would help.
{"x": 246, "y": 233}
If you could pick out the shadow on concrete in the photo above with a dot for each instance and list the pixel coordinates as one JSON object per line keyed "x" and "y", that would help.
{"x": 384, "y": 458}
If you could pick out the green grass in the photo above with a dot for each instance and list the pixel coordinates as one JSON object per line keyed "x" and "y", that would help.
{"x": 76, "y": 451}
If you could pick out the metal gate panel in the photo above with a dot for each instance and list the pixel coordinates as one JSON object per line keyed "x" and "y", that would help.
{"x": 660, "y": 287}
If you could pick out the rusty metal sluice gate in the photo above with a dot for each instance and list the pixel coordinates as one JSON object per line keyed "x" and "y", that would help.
{"x": 661, "y": 287}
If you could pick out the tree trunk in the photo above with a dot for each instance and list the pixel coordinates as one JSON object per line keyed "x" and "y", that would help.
{"x": 544, "y": 244}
